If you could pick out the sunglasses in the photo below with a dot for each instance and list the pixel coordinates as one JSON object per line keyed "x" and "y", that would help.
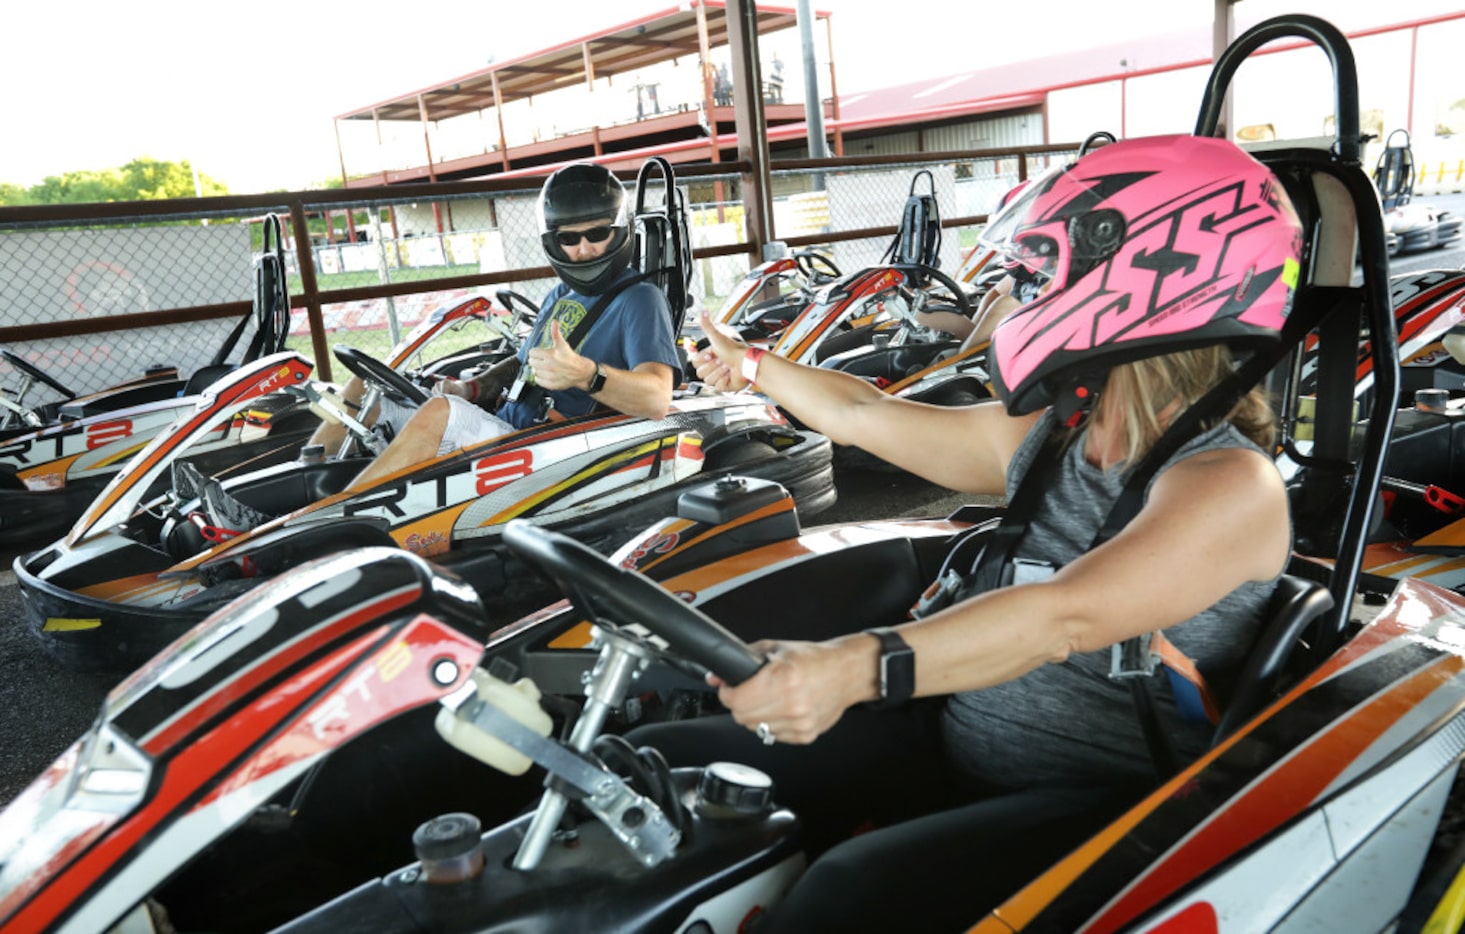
{"x": 594, "y": 235}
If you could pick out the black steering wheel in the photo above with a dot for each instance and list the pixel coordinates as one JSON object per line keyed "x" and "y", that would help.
{"x": 522, "y": 308}
{"x": 816, "y": 267}
{"x": 922, "y": 272}
{"x": 600, "y": 589}
{"x": 30, "y": 369}
{"x": 371, "y": 370}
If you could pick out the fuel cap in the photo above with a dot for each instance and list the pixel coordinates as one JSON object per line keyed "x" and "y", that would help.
{"x": 731, "y": 789}
{"x": 449, "y": 847}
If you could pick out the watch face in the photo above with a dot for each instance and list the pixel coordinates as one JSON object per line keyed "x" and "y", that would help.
{"x": 897, "y": 667}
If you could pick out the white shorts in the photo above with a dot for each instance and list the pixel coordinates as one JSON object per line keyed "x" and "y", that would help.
{"x": 469, "y": 424}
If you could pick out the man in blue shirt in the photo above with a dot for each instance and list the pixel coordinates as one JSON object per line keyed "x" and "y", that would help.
{"x": 626, "y": 360}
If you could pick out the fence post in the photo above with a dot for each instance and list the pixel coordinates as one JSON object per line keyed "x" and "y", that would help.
{"x": 305, "y": 259}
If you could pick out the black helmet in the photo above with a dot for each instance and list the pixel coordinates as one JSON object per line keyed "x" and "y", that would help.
{"x": 575, "y": 194}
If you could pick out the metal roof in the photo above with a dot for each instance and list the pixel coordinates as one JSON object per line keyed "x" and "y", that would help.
{"x": 652, "y": 38}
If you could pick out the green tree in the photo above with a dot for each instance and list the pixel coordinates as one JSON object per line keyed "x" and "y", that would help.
{"x": 142, "y": 179}
{"x": 149, "y": 179}
{"x": 13, "y": 195}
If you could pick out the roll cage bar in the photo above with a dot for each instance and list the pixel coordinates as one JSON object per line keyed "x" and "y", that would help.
{"x": 1339, "y": 208}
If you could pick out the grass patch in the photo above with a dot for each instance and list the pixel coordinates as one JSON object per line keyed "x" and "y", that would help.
{"x": 330, "y": 282}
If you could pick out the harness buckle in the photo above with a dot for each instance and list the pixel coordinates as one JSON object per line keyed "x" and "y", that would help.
{"x": 1133, "y": 658}
{"x": 938, "y": 596}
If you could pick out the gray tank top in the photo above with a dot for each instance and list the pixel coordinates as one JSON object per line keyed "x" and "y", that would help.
{"x": 1070, "y": 722}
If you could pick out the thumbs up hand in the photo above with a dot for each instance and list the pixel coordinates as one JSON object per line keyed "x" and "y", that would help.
{"x": 558, "y": 366}
{"x": 717, "y": 365}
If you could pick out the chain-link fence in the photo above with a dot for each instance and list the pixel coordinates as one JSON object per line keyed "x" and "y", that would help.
{"x": 114, "y": 297}
{"x": 102, "y": 274}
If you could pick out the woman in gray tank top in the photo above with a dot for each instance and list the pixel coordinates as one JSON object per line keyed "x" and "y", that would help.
{"x": 1150, "y": 261}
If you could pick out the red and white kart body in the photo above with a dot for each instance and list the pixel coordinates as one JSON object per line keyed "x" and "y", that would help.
{"x": 49, "y": 475}
{"x": 135, "y": 571}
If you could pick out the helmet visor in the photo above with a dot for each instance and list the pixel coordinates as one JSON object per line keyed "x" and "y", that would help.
{"x": 1005, "y": 229}
{"x": 1061, "y": 241}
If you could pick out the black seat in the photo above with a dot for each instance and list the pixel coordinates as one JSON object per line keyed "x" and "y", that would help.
{"x": 1296, "y": 605}
{"x": 918, "y": 238}
{"x": 663, "y": 247}
{"x": 206, "y": 376}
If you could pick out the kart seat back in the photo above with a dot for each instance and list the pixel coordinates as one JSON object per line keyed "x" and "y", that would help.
{"x": 1295, "y": 607}
{"x": 663, "y": 246}
{"x": 918, "y": 239}
{"x": 1394, "y": 174}
{"x": 206, "y": 376}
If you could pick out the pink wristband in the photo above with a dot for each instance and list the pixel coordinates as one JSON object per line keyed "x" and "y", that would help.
{"x": 751, "y": 359}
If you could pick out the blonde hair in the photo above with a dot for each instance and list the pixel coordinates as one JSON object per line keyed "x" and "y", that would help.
{"x": 1143, "y": 396}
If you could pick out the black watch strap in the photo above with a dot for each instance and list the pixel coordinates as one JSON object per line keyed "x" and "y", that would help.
{"x": 897, "y": 668}
{"x": 597, "y": 381}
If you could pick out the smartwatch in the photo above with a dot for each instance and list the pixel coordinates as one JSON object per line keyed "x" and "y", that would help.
{"x": 897, "y": 668}
{"x": 597, "y": 380}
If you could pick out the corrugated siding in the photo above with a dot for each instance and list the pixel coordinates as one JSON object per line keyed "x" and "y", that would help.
{"x": 995, "y": 132}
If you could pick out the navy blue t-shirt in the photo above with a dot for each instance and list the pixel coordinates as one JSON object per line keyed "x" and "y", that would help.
{"x": 634, "y": 329}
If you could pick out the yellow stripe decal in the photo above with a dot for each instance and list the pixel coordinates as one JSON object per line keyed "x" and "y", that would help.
{"x": 593, "y": 472}
{"x": 60, "y": 624}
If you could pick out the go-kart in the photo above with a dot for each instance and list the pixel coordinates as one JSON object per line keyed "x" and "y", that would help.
{"x": 773, "y": 293}
{"x": 18, "y": 417}
{"x": 1410, "y": 227}
{"x": 904, "y": 297}
{"x": 137, "y": 569}
{"x": 49, "y": 476}
{"x": 883, "y": 324}
{"x": 892, "y": 324}
{"x": 302, "y": 732}
{"x": 270, "y": 315}
{"x": 917, "y": 346}
{"x": 55, "y": 457}
{"x": 1420, "y": 501}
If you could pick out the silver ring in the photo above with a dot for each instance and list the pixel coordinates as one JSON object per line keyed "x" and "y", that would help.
{"x": 765, "y": 733}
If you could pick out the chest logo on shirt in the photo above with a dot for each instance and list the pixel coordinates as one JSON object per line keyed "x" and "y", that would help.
{"x": 569, "y": 313}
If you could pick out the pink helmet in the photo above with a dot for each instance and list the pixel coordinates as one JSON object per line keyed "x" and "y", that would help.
{"x": 1146, "y": 247}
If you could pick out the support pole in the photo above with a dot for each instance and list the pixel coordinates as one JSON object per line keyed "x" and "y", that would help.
{"x": 752, "y": 124}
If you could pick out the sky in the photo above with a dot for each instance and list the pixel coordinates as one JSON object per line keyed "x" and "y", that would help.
{"x": 248, "y": 96}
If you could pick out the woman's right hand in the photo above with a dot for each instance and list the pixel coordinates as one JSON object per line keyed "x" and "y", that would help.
{"x": 718, "y": 366}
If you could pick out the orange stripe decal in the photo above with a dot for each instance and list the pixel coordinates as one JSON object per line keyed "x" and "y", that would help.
{"x": 1266, "y": 805}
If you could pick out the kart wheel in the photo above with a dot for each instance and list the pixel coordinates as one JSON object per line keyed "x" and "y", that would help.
{"x": 736, "y": 453}
{"x": 396, "y": 386}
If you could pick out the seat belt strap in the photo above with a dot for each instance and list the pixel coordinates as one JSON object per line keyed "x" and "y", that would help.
{"x": 1193, "y": 696}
